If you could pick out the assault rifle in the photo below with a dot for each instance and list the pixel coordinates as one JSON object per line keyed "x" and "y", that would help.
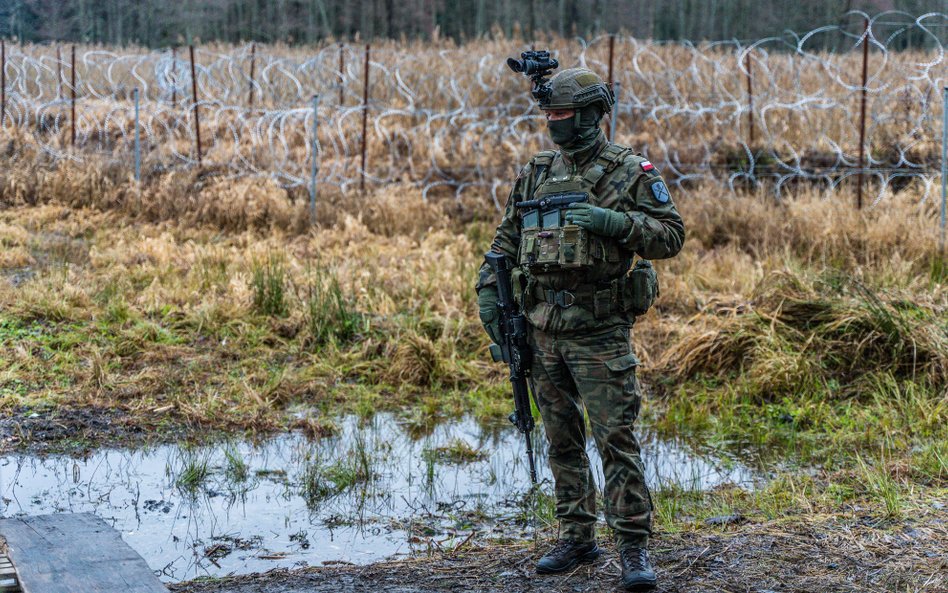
{"x": 553, "y": 201}
{"x": 514, "y": 350}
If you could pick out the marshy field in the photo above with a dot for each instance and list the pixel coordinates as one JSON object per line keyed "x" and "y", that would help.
{"x": 258, "y": 403}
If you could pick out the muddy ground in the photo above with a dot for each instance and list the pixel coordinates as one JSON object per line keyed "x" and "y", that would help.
{"x": 74, "y": 430}
{"x": 820, "y": 554}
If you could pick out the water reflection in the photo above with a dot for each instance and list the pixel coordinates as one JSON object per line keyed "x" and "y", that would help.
{"x": 367, "y": 493}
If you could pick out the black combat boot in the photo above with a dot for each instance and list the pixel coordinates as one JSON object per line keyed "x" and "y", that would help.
{"x": 566, "y": 554}
{"x": 637, "y": 571}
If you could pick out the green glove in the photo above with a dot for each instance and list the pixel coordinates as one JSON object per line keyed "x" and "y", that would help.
{"x": 490, "y": 316}
{"x": 601, "y": 221}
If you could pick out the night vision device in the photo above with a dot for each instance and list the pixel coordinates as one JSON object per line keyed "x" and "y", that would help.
{"x": 538, "y": 65}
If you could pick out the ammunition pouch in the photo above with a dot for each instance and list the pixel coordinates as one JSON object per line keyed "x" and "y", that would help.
{"x": 553, "y": 249}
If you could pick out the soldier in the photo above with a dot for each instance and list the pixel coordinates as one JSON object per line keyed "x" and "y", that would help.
{"x": 576, "y": 284}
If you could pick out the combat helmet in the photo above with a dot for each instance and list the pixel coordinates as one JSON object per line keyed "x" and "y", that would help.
{"x": 575, "y": 88}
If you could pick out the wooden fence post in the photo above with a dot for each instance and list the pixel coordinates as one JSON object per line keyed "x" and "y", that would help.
{"x": 748, "y": 68}
{"x": 342, "y": 75}
{"x": 73, "y": 102}
{"x": 315, "y": 164}
{"x": 612, "y": 48}
{"x": 253, "y": 59}
{"x": 59, "y": 73}
{"x": 944, "y": 170}
{"x": 3, "y": 81}
{"x": 365, "y": 113}
{"x": 862, "y": 114}
{"x": 174, "y": 75}
{"x": 138, "y": 141}
{"x": 614, "y": 116}
{"x": 197, "y": 110}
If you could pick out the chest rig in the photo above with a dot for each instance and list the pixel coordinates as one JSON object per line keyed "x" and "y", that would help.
{"x": 549, "y": 244}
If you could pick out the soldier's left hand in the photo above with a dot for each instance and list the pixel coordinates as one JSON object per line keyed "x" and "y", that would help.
{"x": 601, "y": 221}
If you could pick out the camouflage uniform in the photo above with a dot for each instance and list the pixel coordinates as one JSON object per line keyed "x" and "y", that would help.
{"x": 580, "y": 320}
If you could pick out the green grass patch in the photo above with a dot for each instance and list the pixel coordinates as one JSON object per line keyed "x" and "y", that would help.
{"x": 456, "y": 452}
{"x": 269, "y": 287}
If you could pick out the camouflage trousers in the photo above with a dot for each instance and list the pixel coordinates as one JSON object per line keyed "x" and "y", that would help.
{"x": 597, "y": 370}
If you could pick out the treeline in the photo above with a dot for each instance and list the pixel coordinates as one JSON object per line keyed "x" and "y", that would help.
{"x": 159, "y": 23}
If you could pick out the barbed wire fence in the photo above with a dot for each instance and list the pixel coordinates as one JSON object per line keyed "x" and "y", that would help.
{"x": 739, "y": 113}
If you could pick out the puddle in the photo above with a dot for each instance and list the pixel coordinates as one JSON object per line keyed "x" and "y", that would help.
{"x": 368, "y": 493}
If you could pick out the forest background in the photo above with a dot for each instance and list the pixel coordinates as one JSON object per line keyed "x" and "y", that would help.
{"x": 157, "y": 23}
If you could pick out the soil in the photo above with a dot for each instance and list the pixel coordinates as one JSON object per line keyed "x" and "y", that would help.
{"x": 820, "y": 554}
{"x": 73, "y": 430}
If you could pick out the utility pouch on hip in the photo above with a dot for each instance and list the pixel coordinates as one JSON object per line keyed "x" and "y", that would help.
{"x": 642, "y": 287}
{"x": 604, "y": 301}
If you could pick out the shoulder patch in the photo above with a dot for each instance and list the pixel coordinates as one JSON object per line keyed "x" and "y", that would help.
{"x": 647, "y": 166}
{"x": 660, "y": 192}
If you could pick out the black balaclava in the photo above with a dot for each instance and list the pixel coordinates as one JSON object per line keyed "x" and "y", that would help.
{"x": 576, "y": 133}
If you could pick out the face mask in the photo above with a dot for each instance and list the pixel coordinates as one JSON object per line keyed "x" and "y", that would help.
{"x": 562, "y": 131}
{"x": 566, "y": 134}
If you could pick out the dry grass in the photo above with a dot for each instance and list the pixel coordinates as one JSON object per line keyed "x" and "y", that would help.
{"x": 801, "y": 327}
{"x": 440, "y": 111}
{"x": 793, "y": 330}
{"x": 149, "y": 303}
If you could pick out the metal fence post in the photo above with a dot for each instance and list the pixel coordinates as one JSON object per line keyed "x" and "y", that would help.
{"x": 616, "y": 87}
{"x": 862, "y": 114}
{"x": 197, "y": 111}
{"x": 138, "y": 143}
{"x": 944, "y": 169}
{"x": 315, "y": 165}
{"x": 365, "y": 114}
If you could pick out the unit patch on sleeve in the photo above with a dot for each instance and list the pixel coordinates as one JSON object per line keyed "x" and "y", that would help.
{"x": 660, "y": 192}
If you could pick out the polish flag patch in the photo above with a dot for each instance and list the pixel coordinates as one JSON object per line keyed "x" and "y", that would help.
{"x": 647, "y": 166}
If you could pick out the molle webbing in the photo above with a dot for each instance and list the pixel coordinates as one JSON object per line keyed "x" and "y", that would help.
{"x": 541, "y": 164}
{"x": 610, "y": 158}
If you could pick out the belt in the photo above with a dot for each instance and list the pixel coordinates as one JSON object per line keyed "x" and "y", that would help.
{"x": 602, "y": 298}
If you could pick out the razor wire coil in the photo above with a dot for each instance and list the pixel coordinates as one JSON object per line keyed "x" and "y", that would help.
{"x": 452, "y": 118}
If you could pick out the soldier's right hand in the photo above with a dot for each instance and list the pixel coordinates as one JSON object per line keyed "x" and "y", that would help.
{"x": 490, "y": 315}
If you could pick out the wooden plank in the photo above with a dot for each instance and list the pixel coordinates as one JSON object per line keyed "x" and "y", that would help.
{"x": 68, "y": 553}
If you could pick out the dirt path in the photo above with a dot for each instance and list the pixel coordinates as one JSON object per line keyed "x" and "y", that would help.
{"x": 825, "y": 554}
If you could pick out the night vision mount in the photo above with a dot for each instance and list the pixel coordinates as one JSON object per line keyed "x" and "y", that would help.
{"x": 538, "y": 65}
